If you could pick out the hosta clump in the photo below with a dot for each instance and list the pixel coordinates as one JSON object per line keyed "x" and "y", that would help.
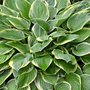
{"x": 44, "y": 45}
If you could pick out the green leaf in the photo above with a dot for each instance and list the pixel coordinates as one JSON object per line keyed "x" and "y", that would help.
{"x": 42, "y": 62}
{"x": 85, "y": 80}
{"x": 61, "y": 55}
{"x": 33, "y": 86}
{"x": 23, "y": 7}
{"x": 39, "y": 33}
{"x": 22, "y": 70}
{"x": 42, "y": 85}
{"x": 30, "y": 1}
{"x": 11, "y": 85}
{"x": 52, "y": 11}
{"x": 83, "y": 34}
{"x": 86, "y": 68}
{"x": 81, "y": 49}
{"x": 66, "y": 39}
{"x": 60, "y": 32}
{"x": 79, "y": 70}
{"x": 12, "y": 34}
{"x": 52, "y": 69}
{"x": 4, "y": 66}
{"x": 40, "y": 46}
{"x": 39, "y": 9}
{"x": 19, "y": 23}
{"x": 19, "y": 61}
{"x": 62, "y": 4}
{"x": 63, "y": 15}
{"x": 82, "y": 17}
{"x": 74, "y": 80}
{"x": 67, "y": 67}
{"x": 22, "y": 48}
{"x": 26, "y": 88}
{"x": 86, "y": 58}
{"x": 52, "y": 79}
{"x": 4, "y": 49}
{"x": 5, "y": 57}
{"x": 26, "y": 78}
{"x": 43, "y": 24}
{"x": 63, "y": 86}
{"x": 7, "y": 11}
{"x": 5, "y": 88}
{"x": 2, "y": 26}
{"x": 5, "y": 75}
{"x": 10, "y": 4}
{"x": 4, "y": 22}
{"x": 51, "y": 2}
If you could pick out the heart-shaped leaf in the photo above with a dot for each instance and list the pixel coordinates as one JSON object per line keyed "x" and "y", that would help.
{"x": 42, "y": 62}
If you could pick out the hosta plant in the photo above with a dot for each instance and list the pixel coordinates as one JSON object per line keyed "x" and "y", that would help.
{"x": 44, "y": 45}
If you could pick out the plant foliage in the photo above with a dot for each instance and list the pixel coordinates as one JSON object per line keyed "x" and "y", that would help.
{"x": 44, "y": 45}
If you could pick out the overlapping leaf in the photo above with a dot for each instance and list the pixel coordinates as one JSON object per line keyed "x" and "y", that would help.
{"x": 39, "y": 9}
{"x": 44, "y": 45}
{"x": 25, "y": 79}
{"x": 63, "y": 86}
{"x": 43, "y": 62}
{"x": 19, "y": 61}
{"x": 82, "y": 49}
{"x": 12, "y": 34}
{"x": 74, "y": 80}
